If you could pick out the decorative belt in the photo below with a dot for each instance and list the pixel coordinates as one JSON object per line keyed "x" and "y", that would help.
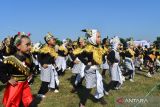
{"x": 19, "y": 77}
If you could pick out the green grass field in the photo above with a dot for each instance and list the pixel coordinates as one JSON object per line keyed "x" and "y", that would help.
{"x": 64, "y": 98}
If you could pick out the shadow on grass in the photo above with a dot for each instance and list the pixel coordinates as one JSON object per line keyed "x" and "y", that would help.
{"x": 72, "y": 79}
{"x": 158, "y": 86}
{"x": 105, "y": 85}
{"x": 142, "y": 74}
{"x": 35, "y": 101}
{"x": 81, "y": 90}
{"x": 139, "y": 70}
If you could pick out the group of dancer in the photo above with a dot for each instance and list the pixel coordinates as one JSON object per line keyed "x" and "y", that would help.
{"x": 20, "y": 60}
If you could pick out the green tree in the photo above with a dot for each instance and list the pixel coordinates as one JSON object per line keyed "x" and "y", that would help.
{"x": 59, "y": 42}
{"x": 123, "y": 41}
{"x": 157, "y": 42}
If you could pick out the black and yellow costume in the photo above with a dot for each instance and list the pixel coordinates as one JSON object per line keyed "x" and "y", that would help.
{"x": 151, "y": 62}
{"x": 130, "y": 53}
{"x": 90, "y": 53}
{"x": 62, "y": 51}
{"x": 47, "y": 55}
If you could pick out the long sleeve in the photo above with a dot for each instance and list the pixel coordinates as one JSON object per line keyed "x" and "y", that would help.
{"x": 81, "y": 55}
{"x": 84, "y": 58}
{"x": 73, "y": 57}
{"x": 111, "y": 57}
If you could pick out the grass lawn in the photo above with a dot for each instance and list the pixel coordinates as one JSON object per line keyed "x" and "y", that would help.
{"x": 64, "y": 98}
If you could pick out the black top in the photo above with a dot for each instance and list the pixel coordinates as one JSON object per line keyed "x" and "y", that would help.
{"x": 7, "y": 70}
{"x": 122, "y": 54}
{"x": 128, "y": 54}
{"x": 45, "y": 58}
{"x": 111, "y": 57}
{"x": 61, "y": 53}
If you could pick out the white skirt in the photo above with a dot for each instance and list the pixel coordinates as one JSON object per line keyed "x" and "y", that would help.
{"x": 61, "y": 63}
{"x": 45, "y": 74}
{"x": 105, "y": 64}
{"x": 90, "y": 77}
{"x": 54, "y": 79}
{"x": 116, "y": 74}
{"x": 129, "y": 64}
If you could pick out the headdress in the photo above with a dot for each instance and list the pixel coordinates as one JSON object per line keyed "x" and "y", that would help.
{"x": 91, "y": 35}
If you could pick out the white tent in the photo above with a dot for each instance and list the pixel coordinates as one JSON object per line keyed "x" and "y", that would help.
{"x": 142, "y": 43}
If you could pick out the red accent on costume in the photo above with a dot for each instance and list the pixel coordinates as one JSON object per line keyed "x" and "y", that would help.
{"x": 19, "y": 33}
{"x": 14, "y": 95}
{"x": 29, "y": 34}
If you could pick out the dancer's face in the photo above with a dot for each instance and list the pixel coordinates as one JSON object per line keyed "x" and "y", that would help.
{"x": 82, "y": 43}
{"x": 98, "y": 38}
{"x": 25, "y": 45}
{"x": 52, "y": 42}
